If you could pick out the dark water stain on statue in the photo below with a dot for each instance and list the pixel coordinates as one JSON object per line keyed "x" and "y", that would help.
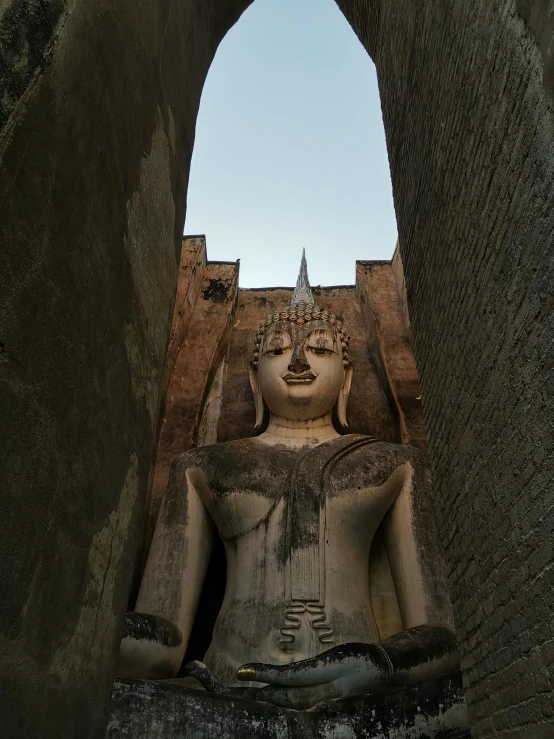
{"x": 150, "y": 628}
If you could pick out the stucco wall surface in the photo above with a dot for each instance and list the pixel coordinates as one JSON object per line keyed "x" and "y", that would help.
{"x": 98, "y": 106}
{"x": 380, "y": 290}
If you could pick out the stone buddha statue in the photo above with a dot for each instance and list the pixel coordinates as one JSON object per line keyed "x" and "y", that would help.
{"x": 335, "y": 580}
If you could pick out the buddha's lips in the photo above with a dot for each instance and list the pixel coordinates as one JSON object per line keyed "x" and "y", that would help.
{"x": 303, "y": 378}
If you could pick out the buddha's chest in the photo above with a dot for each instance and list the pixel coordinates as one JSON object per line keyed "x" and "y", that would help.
{"x": 285, "y": 509}
{"x": 336, "y": 486}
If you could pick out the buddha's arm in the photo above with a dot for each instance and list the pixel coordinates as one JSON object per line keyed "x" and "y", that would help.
{"x": 156, "y": 636}
{"x": 418, "y": 571}
{"x": 414, "y": 551}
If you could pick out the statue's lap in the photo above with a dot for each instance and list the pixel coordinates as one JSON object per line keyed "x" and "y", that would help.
{"x": 146, "y": 709}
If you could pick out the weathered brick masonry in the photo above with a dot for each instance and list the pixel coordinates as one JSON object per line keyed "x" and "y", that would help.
{"x": 471, "y": 145}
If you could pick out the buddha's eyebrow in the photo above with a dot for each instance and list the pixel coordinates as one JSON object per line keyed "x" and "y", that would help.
{"x": 277, "y": 334}
{"x": 276, "y": 339}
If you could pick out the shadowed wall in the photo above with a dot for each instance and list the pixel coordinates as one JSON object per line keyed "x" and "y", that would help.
{"x": 472, "y": 166}
{"x": 98, "y": 104}
{"x": 99, "y": 101}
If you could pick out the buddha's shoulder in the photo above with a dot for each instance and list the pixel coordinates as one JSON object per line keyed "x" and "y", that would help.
{"x": 370, "y": 461}
{"x": 368, "y": 446}
{"x": 228, "y": 459}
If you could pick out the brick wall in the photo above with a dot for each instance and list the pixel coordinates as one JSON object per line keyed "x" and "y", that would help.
{"x": 470, "y": 137}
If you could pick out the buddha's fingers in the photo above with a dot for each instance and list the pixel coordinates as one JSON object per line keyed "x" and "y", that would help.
{"x": 332, "y": 665}
{"x": 301, "y": 698}
{"x": 298, "y": 674}
{"x": 204, "y": 676}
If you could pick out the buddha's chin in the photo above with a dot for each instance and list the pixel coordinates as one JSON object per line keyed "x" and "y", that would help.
{"x": 299, "y": 394}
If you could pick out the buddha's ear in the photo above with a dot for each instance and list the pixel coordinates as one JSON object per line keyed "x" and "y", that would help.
{"x": 342, "y": 401}
{"x": 256, "y": 392}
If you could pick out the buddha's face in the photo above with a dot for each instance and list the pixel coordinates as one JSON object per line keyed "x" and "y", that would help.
{"x": 300, "y": 370}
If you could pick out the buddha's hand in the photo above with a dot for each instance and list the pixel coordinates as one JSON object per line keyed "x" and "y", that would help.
{"x": 355, "y": 669}
{"x": 349, "y": 669}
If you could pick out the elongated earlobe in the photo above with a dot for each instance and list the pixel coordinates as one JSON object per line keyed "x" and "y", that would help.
{"x": 258, "y": 400}
{"x": 342, "y": 401}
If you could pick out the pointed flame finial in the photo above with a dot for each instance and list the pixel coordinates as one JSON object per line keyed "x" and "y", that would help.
{"x": 302, "y": 292}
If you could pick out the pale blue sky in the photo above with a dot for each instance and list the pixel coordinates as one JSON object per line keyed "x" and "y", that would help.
{"x": 290, "y": 149}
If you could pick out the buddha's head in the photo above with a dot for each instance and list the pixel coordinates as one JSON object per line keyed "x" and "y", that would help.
{"x": 300, "y": 369}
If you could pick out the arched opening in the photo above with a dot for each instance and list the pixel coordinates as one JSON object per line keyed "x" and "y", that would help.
{"x": 290, "y": 149}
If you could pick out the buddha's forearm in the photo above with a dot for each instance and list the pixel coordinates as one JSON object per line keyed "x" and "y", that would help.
{"x": 421, "y": 653}
{"x": 151, "y": 647}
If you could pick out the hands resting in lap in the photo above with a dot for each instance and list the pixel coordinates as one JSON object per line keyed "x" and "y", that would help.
{"x": 421, "y": 653}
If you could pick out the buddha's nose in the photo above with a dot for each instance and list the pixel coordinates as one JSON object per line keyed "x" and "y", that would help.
{"x": 299, "y": 363}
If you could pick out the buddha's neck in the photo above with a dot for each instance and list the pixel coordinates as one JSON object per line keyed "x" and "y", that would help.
{"x": 296, "y": 434}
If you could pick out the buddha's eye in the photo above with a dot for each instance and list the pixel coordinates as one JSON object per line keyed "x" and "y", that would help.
{"x": 275, "y": 351}
{"x": 320, "y": 350}
{"x": 275, "y": 345}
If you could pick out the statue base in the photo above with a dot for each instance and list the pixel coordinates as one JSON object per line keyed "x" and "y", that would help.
{"x": 147, "y": 709}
